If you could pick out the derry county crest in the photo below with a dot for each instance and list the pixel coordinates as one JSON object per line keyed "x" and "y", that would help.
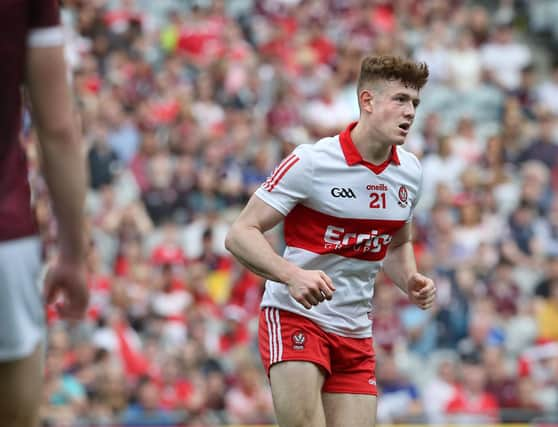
{"x": 298, "y": 340}
{"x": 403, "y": 195}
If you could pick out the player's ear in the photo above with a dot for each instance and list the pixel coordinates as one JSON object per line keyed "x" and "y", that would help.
{"x": 366, "y": 98}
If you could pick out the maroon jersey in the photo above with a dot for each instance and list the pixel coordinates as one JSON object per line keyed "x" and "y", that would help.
{"x": 23, "y": 23}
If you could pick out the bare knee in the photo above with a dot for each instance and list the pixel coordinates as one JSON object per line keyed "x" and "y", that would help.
{"x": 308, "y": 414}
{"x": 299, "y": 413}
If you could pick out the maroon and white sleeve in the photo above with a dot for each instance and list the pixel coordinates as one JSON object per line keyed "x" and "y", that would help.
{"x": 45, "y": 29}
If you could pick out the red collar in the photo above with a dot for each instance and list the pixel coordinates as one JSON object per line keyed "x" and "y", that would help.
{"x": 353, "y": 157}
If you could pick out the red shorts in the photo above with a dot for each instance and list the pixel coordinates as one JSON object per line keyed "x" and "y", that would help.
{"x": 349, "y": 362}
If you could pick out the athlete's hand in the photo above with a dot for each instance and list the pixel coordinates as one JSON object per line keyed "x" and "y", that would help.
{"x": 66, "y": 287}
{"x": 422, "y": 291}
{"x": 310, "y": 287}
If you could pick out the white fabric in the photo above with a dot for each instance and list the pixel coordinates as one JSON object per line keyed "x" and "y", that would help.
{"x": 465, "y": 68}
{"x": 46, "y": 37}
{"x": 439, "y": 170}
{"x": 22, "y": 324}
{"x": 547, "y": 94}
{"x": 506, "y": 62}
{"x": 273, "y": 322}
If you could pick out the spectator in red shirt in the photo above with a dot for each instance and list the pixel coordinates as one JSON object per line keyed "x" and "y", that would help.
{"x": 174, "y": 390}
{"x": 471, "y": 402}
{"x": 169, "y": 251}
{"x": 235, "y": 332}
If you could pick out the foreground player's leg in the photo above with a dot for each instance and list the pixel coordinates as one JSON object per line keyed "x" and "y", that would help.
{"x": 20, "y": 390}
{"x": 355, "y": 410}
{"x": 296, "y": 388}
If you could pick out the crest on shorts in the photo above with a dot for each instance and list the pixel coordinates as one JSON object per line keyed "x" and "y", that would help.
{"x": 298, "y": 340}
{"x": 403, "y": 195}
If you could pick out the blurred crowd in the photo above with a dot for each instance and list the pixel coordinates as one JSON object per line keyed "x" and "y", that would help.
{"x": 187, "y": 105}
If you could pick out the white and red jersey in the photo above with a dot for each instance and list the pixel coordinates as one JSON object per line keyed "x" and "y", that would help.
{"x": 340, "y": 215}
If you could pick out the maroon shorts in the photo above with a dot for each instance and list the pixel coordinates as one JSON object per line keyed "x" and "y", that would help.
{"x": 349, "y": 362}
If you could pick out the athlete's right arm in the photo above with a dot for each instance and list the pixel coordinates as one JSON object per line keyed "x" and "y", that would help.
{"x": 64, "y": 168}
{"x": 246, "y": 241}
{"x": 62, "y": 151}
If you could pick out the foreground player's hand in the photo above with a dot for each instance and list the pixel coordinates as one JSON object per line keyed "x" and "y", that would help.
{"x": 310, "y": 287}
{"x": 66, "y": 287}
{"x": 422, "y": 291}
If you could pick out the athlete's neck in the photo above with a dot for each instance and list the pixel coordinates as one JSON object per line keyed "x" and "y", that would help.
{"x": 369, "y": 148}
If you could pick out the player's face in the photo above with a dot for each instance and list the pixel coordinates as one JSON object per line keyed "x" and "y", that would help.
{"x": 393, "y": 111}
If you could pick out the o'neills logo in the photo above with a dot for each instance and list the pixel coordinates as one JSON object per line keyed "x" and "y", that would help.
{"x": 377, "y": 187}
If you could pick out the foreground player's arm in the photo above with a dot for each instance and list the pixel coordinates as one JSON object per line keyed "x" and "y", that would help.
{"x": 246, "y": 241}
{"x": 64, "y": 168}
{"x": 401, "y": 268}
{"x": 62, "y": 153}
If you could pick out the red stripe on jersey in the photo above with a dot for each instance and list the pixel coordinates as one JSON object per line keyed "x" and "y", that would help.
{"x": 283, "y": 168}
{"x": 270, "y": 179}
{"x": 365, "y": 239}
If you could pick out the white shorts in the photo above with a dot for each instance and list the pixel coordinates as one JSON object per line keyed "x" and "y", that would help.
{"x": 22, "y": 318}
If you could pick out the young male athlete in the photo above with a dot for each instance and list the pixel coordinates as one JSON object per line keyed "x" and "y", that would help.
{"x": 31, "y": 56}
{"x": 347, "y": 202}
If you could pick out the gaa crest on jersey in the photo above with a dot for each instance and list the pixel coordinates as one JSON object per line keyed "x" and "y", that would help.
{"x": 298, "y": 338}
{"x": 345, "y": 193}
{"x": 403, "y": 196}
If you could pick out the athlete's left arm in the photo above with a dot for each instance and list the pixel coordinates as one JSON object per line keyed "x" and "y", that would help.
{"x": 401, "y": 268}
